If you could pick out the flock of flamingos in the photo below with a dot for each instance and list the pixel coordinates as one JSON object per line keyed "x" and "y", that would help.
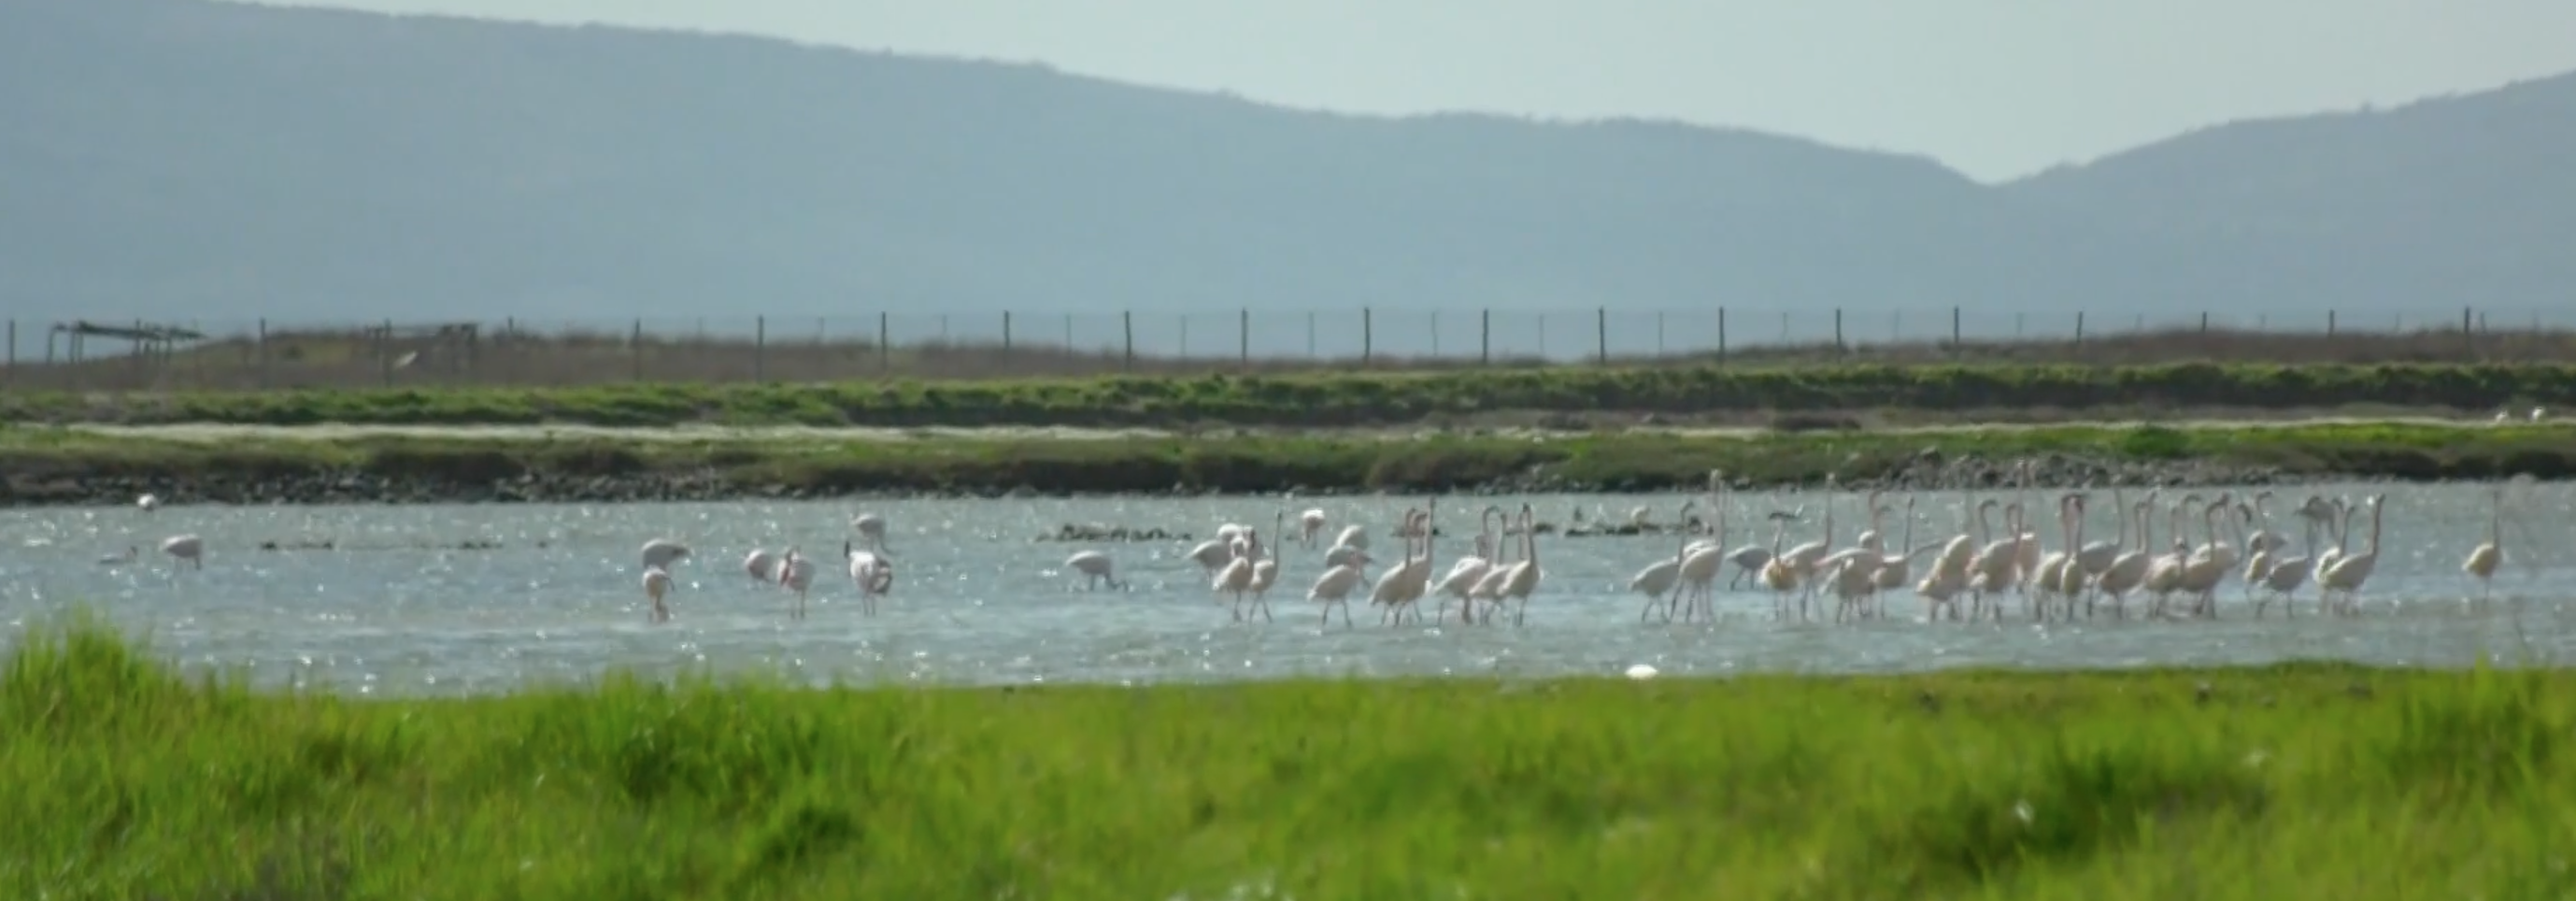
{"x": 1978, "y": 573}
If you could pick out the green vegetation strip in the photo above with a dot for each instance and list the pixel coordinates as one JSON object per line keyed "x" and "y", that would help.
{"x": 122, "y": 779}
{"x": 1345, "y": 399}
{"x": 1620, "y": 462}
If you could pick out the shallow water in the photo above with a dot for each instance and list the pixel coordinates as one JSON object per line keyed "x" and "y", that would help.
{"x": 978, "y": 601}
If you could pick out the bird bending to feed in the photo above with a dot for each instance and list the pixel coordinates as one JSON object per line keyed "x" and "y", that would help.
{"x": 186, "y": 547}
{"x": 761, "y": 565}
{"x": 148, "y": 502}
{"x": 2486, "y": 558}
{"x": 657, "y": 583}
{"x": 873, "y": 528}
{"x": 1097, "y": 567}
{"x": 1310, "y": 524}
{"x": 660, "y": 553}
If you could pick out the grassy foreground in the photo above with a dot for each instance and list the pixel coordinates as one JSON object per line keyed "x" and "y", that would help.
{"x": 1351, "y": 398}
{"x": 121, "y": 779}
{"x": 1619, "y": 462}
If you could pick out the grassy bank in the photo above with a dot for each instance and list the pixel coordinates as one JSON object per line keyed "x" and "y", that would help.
{"x": 1620, "y": 462}
{"x": 120, "y": 779}
{"x": 1353, "y": 398}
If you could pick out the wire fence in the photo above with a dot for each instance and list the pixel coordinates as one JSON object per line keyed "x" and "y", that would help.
{"x": 129, "y": 355}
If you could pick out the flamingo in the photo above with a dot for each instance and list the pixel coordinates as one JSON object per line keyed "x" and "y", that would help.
{"x": 2052, "y": 565}
{"x": 1097, "y": 568}
{"x": 186, "y": 547}
{"x": 1310, "y": 524}
{"x": 1333, "y": 588}
{"x": 2098, "y": 555}
{"x": 1657, "y": 580}
{"x": 761, "y": 565}
{"x": 2287, "y": 574}
{"x": 1779, "y": 576}
{"x": 2486, "y": 558}
{"x": 1236, "y": 577}
{"x": 873, "y": 528}
{"x": 1265, "y": 571}
{"x": 1353, "y": 535}
{"x": 2129, "y": 569}
{"x": 1801, "y": 561}
{"x": 657, "y": 583}
{"x": 1213, "y": 554}
{"x": 660, "y": 553}
{"x": 1463, "y": 575}
{"x": 1701, "y": 560}
{"x": 148, "y": 502}
{"x": 1523, "y": 579}
{"x": 872, "y": 572}
{"x": 2210, "y": 563}
{"x": 2337, "y": 518}
{"x": 1397, "y": 589}
{"x": 2351, "y": 570}
{"x": 797, "y": 574}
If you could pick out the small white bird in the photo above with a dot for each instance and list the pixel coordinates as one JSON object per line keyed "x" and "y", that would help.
{"x": 148, "y": 502}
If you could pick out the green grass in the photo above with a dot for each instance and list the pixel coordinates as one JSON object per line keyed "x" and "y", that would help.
{"x": 1617, "y": 462}
{"x": 1350, "y": 398}
{"x": 122, "y": 779}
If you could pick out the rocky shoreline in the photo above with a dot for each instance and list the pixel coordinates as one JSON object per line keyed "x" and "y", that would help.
{"x": 1925, "y": 471}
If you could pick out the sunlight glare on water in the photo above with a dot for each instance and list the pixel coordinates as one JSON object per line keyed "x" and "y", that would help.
{"x": 397, "y": 608}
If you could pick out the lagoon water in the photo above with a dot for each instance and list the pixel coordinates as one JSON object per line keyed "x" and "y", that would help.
{"x": 396, "y": 607}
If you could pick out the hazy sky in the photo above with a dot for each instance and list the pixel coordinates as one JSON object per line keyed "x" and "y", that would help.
{"x": 1995, "y": 88}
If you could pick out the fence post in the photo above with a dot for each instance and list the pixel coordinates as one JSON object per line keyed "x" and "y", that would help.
{"x": 1006, "y": 331}
{"x": 1485, "y": 337}
{"x": 1310, "y": 335}
{"x": 13, "y": 350}
{"x": 1368, "y": 335}
{"x": 1659, "y": 336}
{"x": 1838, "y": 331}
{"x": 1721, "y": 336}
{"x": 1435, "y": 334}
{"x": 262, "y": 350}
{"x": 2468, "y": 339}
{"x": 760, "y": 348}
{"x": 635, "y": 349}
{"x": 1601, "y": 333}
{"x": 2330, "y": 323}
{"x": 1127, "y": 321}
{"x": 2204, "y": 322}
{"x": 1068, "y": 333}
{"x": 1243, "y": 337}
{"x": 885, "y": 345}
{"x": 2079, "y": 330}
{"x": 1957, "y": 337}
{"x": 385, "y": 352}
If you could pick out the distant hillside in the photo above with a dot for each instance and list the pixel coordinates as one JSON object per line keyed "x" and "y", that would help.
{"x": 186, "y": 159}
{"x": 2465, "y": 201}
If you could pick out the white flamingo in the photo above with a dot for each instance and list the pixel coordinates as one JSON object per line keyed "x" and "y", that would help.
{"x": 1265, "y": 570}
{"x": 873, "y": 528}
{"x": 2129, "y": 570}
{"x": 661, "y": 553}
{"x": 1701, "y": 560}
{"x": 1398, "y": 588}
{"x": 186, "y": 547}
{"x": 872, "y": 572}
{"x": 1310, "y": 524}
{"x": 2486, "y": 558}
{"x": 1097, "y": 568}
{"x": 1333, "y": 588}
{"x": 1523, "y": 578}
{"x": 761, "y": 565}
{"x": 1353, "y": 535}
{"x": 2285, "y": 575}
{"x": 1235, "y": 577}
{"x": 2351, "y": 570}
{"x": 1463, "y": 575}
{"x": 796, "y": 573}
{"x": 657, "y": 583}
{"x": 148, "y": 502}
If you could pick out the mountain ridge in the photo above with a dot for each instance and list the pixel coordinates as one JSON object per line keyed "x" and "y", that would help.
{"x": 188, "y": 158}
